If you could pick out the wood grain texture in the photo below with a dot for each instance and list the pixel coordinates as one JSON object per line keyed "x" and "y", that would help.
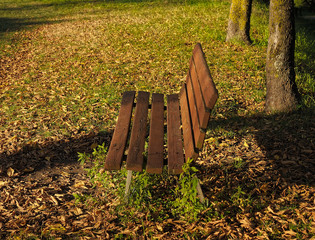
{"x": 210, "y": 93}
{"x": 203, "y": 111}
{"x": 156, "y": 139}
{"x": 188, "y": 136}
{"x": 198, "y": 134}
{"x": 118, "y": 143}
{"x": 138, "y": 133}
{"x": 174, "y": 136}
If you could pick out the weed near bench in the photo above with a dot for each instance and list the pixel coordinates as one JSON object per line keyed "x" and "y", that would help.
{"x": 157, "y": 196}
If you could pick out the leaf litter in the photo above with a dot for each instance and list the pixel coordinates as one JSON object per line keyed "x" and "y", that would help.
{"x": 256, "y": 170}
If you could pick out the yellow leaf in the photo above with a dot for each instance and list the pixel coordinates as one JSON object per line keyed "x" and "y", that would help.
{"x": 10, "y": 172}
{"x": 159, "y": 227}
{"x": 55, "y": 201}
{"x": 2, "y": 183}
{"x": 210, "y": 140}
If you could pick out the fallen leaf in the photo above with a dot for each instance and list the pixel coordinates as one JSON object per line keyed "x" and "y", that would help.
{"x": 10, "y": 172}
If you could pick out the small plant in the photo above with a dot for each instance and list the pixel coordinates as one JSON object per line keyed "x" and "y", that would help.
{"x": 152, "y": 195}
{"x": 238, "y": 162}
{"x": 187, "y": 203}
{"x": 240, "y": 198}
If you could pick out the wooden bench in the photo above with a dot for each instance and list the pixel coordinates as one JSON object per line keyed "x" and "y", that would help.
{"x": 187, "y": 116}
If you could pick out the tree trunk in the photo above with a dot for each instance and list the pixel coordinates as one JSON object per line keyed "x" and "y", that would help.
{"x": 239, "y": 21}
{"x": 282, "y": 93}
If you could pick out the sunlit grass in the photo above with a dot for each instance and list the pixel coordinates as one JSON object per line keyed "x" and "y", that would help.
{"x": 64, "y": 65}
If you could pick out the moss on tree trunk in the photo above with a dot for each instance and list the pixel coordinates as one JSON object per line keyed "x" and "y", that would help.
{"x": 282, "y": 94}
{"x": 239, "y": 21}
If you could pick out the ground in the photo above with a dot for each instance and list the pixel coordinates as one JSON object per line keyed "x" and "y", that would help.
{"x": 61, "y": 84}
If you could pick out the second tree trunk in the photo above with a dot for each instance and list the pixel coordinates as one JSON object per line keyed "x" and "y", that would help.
{"x": 239, "y": 21}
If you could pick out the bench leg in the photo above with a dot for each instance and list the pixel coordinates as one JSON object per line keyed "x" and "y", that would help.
{"x": 128, "y": 182}
{"x": 199, "y": 191}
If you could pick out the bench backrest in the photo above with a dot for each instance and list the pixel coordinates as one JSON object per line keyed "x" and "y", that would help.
{"x": 197, "y": 98}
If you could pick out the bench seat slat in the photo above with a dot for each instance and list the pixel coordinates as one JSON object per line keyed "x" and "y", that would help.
{"x": 138, "y": 133}
{"x": 174, "y": 136}
{"x": 118, "y": 143}
{"x": 189, "y": 142}
{"x": 156, "y": 139}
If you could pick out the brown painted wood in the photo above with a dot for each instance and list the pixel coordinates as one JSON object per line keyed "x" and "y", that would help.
{"x": 198, "y": 133}
{"x": 189, "y": 142}
{"x": 197, "y": 97}
{"x": 138, "y": 133}
{"x": 174, "y": 136}
{"x": 202, "y": 94}
{"x": 203, "y": 111}
{"x": 210, "y": 93}
{"x": 118, "y": 143}
{"x": 156, "y": 139}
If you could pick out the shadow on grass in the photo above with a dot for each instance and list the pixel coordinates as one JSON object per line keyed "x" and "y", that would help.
{"x": 53, "y": 3}
{"x": 284, "y": 161}
{"x": 38, "y": 14}
{"x": 16, "y": 24}
{"x": 286, "y": 140}
{"x": 35, "y": 158}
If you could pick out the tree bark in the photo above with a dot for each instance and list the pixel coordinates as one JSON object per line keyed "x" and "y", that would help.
{"x": 239, "y": 21}
{"x": 282, "y": 93}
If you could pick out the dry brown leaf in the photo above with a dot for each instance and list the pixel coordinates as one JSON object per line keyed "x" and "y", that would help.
{"x": 290, "y": 233}
{"x": 246, "y": 223}
{"x": 3, "y": 183}
{"x": 55, "y": 201}
{"x": 10, "y": 172}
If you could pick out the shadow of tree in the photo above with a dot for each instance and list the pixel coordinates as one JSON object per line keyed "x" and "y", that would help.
{"x": 16, "y": 24}
{"x": 286, "y": 141}
{"x": 39, "y": 14}
{"x": 51, "y": 4}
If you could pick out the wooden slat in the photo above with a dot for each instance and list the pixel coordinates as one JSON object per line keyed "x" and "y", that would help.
{"x": 189, "y": 142}
{"x": 199, "y": 135}
{"x": 118, "y": 143}
{"x": 138, "y": 133}
{"x": 174, "y": 139}
{"x": 210, "y": 93}
{"x": 203, "y": 111}
{"x": 156, "y": 139}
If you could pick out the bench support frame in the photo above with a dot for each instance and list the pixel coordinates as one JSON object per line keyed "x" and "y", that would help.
{"x": 128, "y": 183}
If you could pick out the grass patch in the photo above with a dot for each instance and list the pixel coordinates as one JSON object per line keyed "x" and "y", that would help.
{"x": 63, "y": 68}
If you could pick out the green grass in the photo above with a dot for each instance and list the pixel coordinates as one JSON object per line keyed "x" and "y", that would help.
{"x": 64, "y": 65}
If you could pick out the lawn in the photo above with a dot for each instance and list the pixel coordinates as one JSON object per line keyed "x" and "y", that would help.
{"x": 63, "y": 67}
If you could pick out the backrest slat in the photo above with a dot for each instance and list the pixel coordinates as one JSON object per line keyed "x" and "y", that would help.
{"x": 193, "y": 108}
{"x": 201, "y": 94}
{"x": 209, "y": 91}
{"x": 189, "y": 142}
{"x": 203, "y": 113}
